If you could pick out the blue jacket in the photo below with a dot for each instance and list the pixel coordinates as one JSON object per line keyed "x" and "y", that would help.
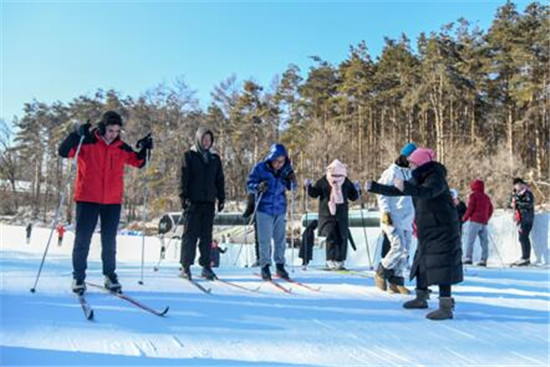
{"x": 274, "y": 199}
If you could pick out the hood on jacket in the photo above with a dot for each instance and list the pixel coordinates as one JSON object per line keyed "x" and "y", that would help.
{"x": 477, "y": 185}
{"x": 276, "y": 151}
{"x": 202, "y": 131}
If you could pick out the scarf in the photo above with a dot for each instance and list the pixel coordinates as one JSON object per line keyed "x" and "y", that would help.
{"x": 336, "y": 175}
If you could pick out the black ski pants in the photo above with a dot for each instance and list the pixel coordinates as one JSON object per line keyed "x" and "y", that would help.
{"x": 198, "y": 222}
{"x": 86, "y": 221}
{"x": 524, "y": 230}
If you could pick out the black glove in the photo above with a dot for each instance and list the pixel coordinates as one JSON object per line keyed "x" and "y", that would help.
{"x": 184, "y": 203}
{"x": 262, "y": 187}
{"x": 145, "y": 143}
{"x": 221, "y": 205}
{"x": 84, "y": 130}
{"x": 287, "y": 170}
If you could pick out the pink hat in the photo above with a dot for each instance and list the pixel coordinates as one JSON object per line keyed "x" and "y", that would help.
{"x": 422, "y": 156}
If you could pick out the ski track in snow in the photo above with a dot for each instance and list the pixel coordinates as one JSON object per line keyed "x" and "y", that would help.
{"x": 501, "y": 318}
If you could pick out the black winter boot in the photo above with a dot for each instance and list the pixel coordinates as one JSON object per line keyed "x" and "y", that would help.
{"x": 79, "y": 287}
{"x": 186, "y": 272}
{"x": 421, "y": 300}
{"x": 266, "y": 274}
{"x": 207, "y": 273}
{"x": 112, "y": 284}
{"x": 281, "y": 272}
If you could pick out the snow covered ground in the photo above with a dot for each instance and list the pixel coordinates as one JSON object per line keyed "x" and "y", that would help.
{"x": 501, "y": 317}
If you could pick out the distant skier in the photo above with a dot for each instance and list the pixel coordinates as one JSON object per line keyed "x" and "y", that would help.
{"x": 99, "y": 191}
{"x": 308, "y": 240}
{"x": 523, "y": 203}
{"x": 334, "y": 190}
{"x": 215, "y": 254}
{"x": 438, "y": 256}
{"x": 480, "y": 210}
{"x": 28, "y": 230}
{"x": 60, "y": 233}
{"x": 397, "y": 215}
{"x": 201, "y": 183}
{"x": 271, "y": 178}
{"x": 460, "y": 207}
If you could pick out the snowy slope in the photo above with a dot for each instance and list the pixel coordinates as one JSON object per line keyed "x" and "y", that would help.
{"x": 502, "y": 316}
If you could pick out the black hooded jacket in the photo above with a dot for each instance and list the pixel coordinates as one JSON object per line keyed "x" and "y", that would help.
{"x": 201, "y": 174}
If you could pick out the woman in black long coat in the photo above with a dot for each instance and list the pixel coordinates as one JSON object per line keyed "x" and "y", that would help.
{"x": 437, "y": 260}
{"x": 334, "y": 190}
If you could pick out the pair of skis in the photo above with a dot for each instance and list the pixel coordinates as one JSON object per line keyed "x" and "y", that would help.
{"x": 289, "y": 280}
{"x": 226, "y": 282}
{"x": 363, "y": 274}
{"x": 89, "y": 312}
{"x": 275, "y": 284}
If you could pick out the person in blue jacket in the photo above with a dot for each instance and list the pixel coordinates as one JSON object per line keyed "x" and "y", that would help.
{"x": 270, "y": 179}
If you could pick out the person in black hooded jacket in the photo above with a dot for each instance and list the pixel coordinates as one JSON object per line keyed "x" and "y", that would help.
{"x": 438, "y": 256}
{"x": 201, "y": 183}
{"x": 308, "y": 240}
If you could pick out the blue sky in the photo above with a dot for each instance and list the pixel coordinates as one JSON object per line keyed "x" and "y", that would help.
{"x": 58, "y": 50}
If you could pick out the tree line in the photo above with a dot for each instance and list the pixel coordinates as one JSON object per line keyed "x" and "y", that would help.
{"x": 479, "y": 98}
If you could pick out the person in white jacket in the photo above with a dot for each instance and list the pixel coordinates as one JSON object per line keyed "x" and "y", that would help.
{"x": 396, "y": 221}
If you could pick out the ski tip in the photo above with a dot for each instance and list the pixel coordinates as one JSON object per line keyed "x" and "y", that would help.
{"x": 165, "y": 311}
{"x": 90, "y": 316}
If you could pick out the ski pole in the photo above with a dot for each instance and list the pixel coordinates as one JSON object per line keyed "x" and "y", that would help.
{"x": 375, "y": 254}
{"x": 292, "y": 192}
{"x": 306, "y": 252}
{"x": 252, "y": 218}
{"x": 145, "y": 197}
{"x": 61, "y": 201}
{"x": 364, "y": 229}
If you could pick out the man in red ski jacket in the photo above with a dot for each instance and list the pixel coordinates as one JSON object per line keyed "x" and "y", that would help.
{"x": 478, "y": 213}
{"x": 99, "y": 189}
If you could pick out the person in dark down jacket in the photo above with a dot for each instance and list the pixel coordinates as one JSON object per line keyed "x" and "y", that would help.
{"x": 247, "y": 216}
{"x": 478, "y": 213}
{"x": 308, "y": 240}
{"x": 334, "y": 190}
{"x": 438, "y": 256}
{"x": 98, "y": 191}
{"x": 523, "y": 203}
{"x": 201, "y": 183}
{"x": 270, "y": 179}
{"x": 460, "y": 208}
{"x": 215, "y": 255}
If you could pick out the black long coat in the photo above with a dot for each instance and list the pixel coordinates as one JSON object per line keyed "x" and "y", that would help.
{"x": 321, "y": 189}
{"x": 439, "y": 252}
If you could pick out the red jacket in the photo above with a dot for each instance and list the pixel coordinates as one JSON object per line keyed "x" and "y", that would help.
{"x": 100, "y": 174}
{"x": 480, "y": 208}
{"x": 61, "y": 230}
